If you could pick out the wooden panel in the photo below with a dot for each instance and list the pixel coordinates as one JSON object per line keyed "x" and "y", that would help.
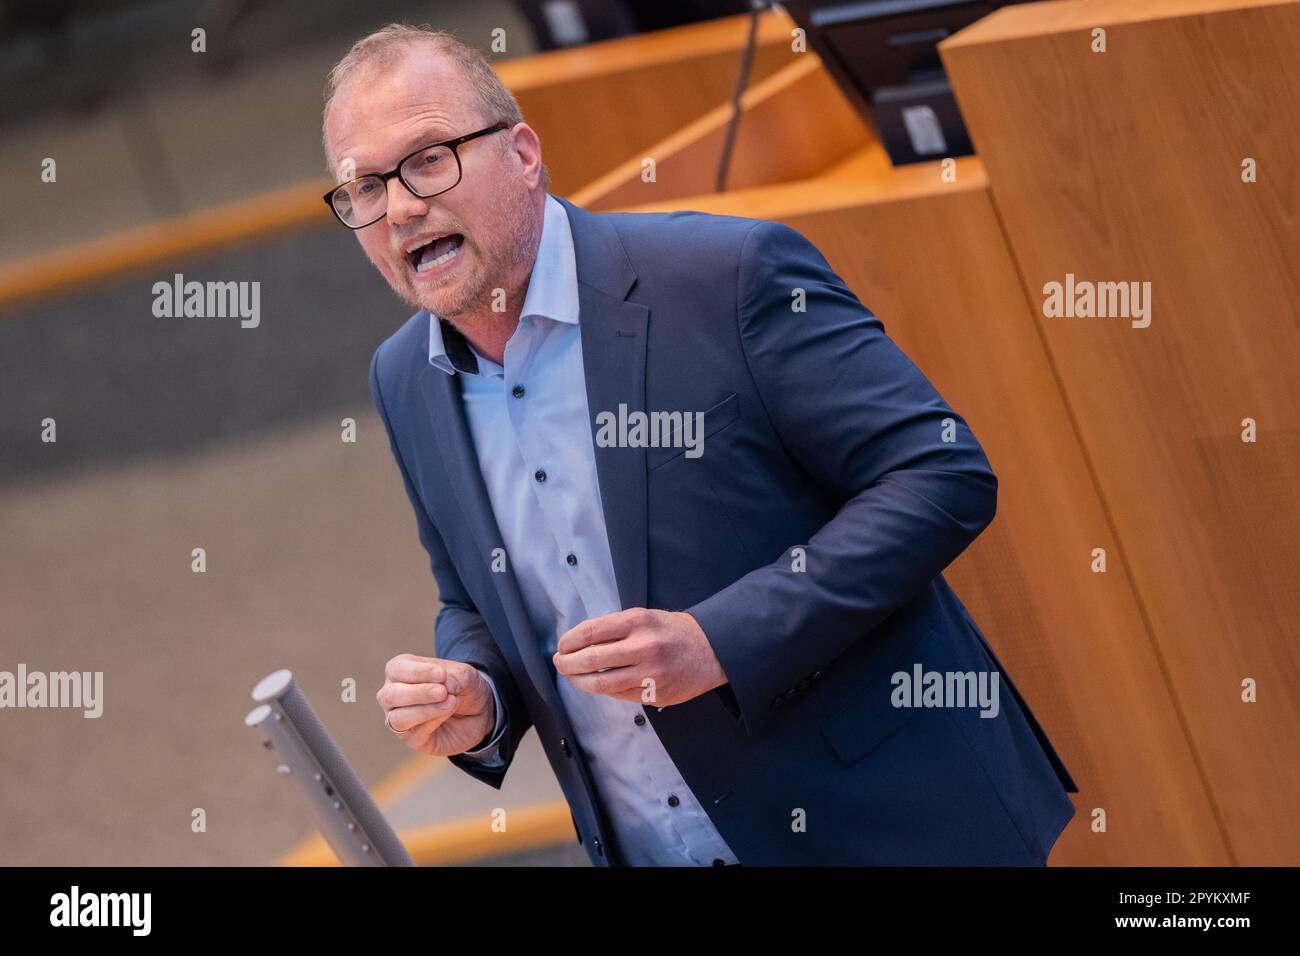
{"x": 930, "y": 259}
{"x": 1127, "y": 166}
{"x": 793, "y": 125}
{"x": 594, "y": 106}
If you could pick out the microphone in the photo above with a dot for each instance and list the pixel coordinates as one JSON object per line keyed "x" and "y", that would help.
{"x": 756, "y": 8}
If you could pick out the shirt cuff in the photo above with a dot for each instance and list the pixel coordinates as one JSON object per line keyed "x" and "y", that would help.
{"x": 488, "y": 753}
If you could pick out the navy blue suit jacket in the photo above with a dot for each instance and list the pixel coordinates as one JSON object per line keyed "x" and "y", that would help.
{"x": 820, "y": 434}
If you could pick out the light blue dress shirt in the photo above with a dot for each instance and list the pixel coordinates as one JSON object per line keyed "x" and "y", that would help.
{"x": 530, "y": 425}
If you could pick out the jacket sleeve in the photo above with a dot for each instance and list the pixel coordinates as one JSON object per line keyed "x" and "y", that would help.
{"x": 866, "y": 424}
{"x": 460, "y": 633}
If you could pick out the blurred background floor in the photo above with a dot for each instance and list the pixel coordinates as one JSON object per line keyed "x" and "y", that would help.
{"x": 313, "y": 564}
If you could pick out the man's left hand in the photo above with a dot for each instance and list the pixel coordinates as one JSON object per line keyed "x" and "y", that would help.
{"x": 640, "y": 655}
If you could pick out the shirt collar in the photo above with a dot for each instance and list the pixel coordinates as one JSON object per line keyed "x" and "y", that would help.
{"x": 552, "y": 294}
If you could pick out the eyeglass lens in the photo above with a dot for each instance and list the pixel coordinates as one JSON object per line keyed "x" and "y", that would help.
{"x": 428, "y": 172}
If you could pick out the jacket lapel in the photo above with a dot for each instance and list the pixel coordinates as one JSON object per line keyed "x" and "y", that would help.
{"x": 613, "y": 333}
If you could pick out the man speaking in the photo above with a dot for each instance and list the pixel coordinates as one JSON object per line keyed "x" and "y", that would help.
{"x": 709, "y": 609}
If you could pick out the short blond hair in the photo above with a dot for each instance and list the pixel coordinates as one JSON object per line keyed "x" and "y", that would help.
{"x": 387, "y": 45}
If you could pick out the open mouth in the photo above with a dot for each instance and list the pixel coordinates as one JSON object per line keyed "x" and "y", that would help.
{"x": 435, "y": 252}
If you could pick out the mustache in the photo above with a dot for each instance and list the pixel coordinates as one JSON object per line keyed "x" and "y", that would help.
{"x": 448, "y": 230}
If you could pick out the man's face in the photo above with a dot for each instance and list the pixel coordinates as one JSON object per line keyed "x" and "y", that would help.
{"x": 380, "y": 116}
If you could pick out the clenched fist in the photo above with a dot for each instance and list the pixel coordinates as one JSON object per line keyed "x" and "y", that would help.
{"x": 437, "y": 707}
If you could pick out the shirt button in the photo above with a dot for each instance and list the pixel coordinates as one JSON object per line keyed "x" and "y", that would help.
{"x": 539, "y": 475}
{"x": 639, "y": 719}
{"x": 572, "y": 559}
{"x": 517, "y": 391}
{"x": 719, "y": 863}
{"x": 672, "y": 800}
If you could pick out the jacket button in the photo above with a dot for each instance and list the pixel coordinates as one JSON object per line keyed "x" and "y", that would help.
{"x": 805, "y": 682}
{"x": 564, "y": 745}
{"x": 599, "y": 849}
{"x": 817, "y": 674}
{"x": 778, "y": 701}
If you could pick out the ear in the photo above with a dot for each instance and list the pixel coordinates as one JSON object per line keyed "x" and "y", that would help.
{"x": 528, "y": 148}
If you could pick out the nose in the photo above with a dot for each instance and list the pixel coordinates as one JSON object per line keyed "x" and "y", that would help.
{"x": 403, "y": 204}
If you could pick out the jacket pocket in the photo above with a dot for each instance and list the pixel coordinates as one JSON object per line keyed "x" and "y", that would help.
{"x": 871, "y": 718}
{"x": 715, "y": 418}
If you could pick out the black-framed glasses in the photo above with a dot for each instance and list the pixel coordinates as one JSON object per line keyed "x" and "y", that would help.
{"x": 428, "y": 171}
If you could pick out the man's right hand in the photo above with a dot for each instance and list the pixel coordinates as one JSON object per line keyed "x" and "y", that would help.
{"x": 438, "y": 707}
